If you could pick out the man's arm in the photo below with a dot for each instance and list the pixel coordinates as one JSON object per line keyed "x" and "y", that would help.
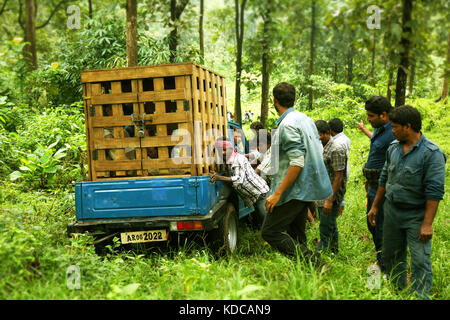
{"x": 434, "y": 191}
{"x": 215, "y": 177}
{"x": 337, "y": 181}
{"x": 291, "y": 174}
{"x": 379, "y": 199}
{"x": 426, "y": 230}
{"x": 364, "y": 129}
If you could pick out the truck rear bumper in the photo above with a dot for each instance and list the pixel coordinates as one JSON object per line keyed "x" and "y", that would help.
{"x": 107, "y": 226}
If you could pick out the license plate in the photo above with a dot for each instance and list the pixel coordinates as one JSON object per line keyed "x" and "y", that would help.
{"x": 143, "y": 236}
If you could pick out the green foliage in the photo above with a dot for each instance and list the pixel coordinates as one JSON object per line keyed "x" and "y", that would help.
{"x": 44, "y": 152}
{"x": 40, "y": 167}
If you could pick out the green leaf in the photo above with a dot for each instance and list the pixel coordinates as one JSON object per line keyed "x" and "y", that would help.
{"x": 248, "y": 289}
{"x": 52, "y": 145}
{"x": 130, "y": 289}
{"x": 45, "y": 159}
{"x": 15, "y": 175}
{"x": 50, "y": 170}
{"x": 23, "y": 168}
{"x": 59, "y": 154}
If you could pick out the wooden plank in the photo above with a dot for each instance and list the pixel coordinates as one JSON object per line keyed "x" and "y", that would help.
{"x": 204, "y": 115}
{"x": 145, "y": 177}
{"x": 189, "y": 126}
{"x": 158, "y": 71}
{"x": 173, "y": 94}
{"x": 166, "y": 163}
{"x": 87, "y": 102}
{"x": 150, "y": 119}
{"x": 162, "y": 141}
{"x": 114, "y": 98}
{"x": 108, "y": 165}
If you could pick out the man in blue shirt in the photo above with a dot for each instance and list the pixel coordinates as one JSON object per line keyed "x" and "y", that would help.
{"x": 299, "y": 176}
{"x": 411, "y": 186}
{"x": 377, "y": 111}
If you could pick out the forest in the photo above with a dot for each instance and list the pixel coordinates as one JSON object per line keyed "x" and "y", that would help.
{"x": 337, "y": 54}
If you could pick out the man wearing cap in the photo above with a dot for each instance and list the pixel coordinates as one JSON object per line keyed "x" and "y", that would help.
{"x": 251, "y": 187}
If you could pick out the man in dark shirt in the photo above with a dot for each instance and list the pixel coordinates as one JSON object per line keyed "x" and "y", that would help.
{"x": 411, "y": 186}
{"x": 377, "y": 111}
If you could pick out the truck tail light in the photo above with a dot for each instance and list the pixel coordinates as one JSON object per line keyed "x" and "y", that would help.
{"x": 189, "y": 225}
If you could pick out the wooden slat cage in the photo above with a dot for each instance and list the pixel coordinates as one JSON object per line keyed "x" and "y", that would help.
{"x": 153, "y": 121}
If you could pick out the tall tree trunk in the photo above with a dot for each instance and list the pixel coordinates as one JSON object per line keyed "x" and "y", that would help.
{"x": 411, "y": 77}
{"x": 266, "y": 63}
{"x": 444, "y": 94}
{"x": 350, "y": 54}
{"x": 90, "y": 9}
{"x": 200, "y": 30}
{"x": 372, "y": 70}
{"x": 175, "y": 13}
{"x": 132, "y": 56}
{"x": 239, "y": 21}
{"x": 173, "y": 36}
{"x": 388, "y": 93}
{"x": 30, "y": 53}
{"x": 400, "y": 87}
{"x": 311, "y": 53}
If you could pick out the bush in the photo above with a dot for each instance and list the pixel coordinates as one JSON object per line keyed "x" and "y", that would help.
{"x": 60, "y": 128}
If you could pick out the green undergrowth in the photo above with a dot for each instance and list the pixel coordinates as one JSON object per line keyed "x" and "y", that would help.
{"x": 37, "y": 258}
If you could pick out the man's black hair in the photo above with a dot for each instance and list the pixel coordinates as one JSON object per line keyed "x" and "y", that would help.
{"x": 256, "y": 126}
{"x": 285, "y": 94}
{"x": 406, "y": 114}
{"x": 336, "y": 125}
{"x": 322, "y": 126}
{"x": 378, "y": 105}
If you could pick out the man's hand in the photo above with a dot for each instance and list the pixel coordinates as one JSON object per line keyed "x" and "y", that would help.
{"x": 271, "y": 202}
{"x": 341, "y": 208}
{"x": 426, "y": 233}
{"x": 327, "y": 206}
{"x": 372, "y": 216}
{"x": 360, "y": 125}
{"x": 213, "y": 177}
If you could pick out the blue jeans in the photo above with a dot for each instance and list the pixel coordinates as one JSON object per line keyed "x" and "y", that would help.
{"x": 402, "y": 229}
{"x": 377, "y": 230}
{"x": 329, "y": 234}
{"x": 260, "y": 209}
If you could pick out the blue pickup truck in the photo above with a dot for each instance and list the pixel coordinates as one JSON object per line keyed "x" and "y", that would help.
{"x": 157, "y": 210}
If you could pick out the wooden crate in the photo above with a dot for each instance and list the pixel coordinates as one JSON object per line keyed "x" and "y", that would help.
{"x": 180, "y": 109}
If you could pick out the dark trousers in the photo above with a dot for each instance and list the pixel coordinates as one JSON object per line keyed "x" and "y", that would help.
{"x": 398, "y": 235}
{"x": 329, "y": 234}
{"x": 377, "y": 230}
{"x": 284, "y": 228}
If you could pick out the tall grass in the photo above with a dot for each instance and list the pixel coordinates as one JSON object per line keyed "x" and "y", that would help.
{"x": 35, "y": 253}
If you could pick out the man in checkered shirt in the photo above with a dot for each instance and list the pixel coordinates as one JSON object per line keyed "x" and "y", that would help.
{"x": 335, "y": 159}
{"x": 251, "y": 187}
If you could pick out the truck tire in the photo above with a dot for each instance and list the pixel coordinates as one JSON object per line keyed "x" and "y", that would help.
{"x": 224, "y": 239}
